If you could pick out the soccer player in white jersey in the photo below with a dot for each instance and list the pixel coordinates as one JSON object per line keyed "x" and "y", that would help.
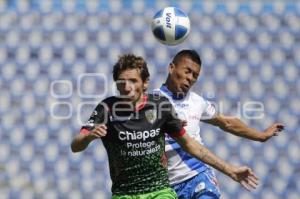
{"x": 189, "y": 177}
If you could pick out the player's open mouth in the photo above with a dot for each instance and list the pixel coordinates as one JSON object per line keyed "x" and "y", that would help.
{"x": 186, "y": 86}
{"x": 127, "y": 96}
{"x": 130, "y": 96}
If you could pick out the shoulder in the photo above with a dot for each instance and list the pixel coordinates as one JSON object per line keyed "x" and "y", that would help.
{"x": 198, "y": 98}
{"x": 157, "y": 97}
{"x": 107, "y": 102}
{"x": 159, "y": 93}
{"x": 198, "y": 101}
{"x": 194, "y": 97}
{"x": 157, "y": 90}
{"x": 156, "y": 93}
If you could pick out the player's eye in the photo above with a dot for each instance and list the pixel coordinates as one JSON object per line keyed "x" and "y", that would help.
{"x": 120, "y": 82}
{"x": 195, "y": 75}
{"x": 132, "y": 81}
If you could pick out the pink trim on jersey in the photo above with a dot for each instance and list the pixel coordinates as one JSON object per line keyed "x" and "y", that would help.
{"x": 84, "y": 131}
{"x": 143, "y": 103}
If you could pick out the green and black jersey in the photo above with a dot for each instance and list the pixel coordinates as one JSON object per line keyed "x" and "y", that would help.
{"x": 135, "y": 142}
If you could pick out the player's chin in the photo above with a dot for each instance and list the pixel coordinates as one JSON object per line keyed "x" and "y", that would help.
{"x": 131, "y": 98}
{"x": 128, "y": 99}
{"x": 185, "y": 89}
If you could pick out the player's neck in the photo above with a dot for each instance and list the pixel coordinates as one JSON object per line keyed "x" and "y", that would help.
{"x": 171, "y": 86}
{"x": 175, "y": 93}
{"x": 135, "y": 105}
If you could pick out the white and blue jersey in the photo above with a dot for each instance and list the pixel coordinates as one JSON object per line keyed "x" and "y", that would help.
{"x": 192, "y": 108}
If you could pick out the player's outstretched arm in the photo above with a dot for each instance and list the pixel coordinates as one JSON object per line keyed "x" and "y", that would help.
{"x": 237, "y": 127}
{"x": 243, "y": 174}
{"x": 82, "y": 140}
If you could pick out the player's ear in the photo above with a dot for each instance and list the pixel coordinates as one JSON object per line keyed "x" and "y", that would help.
{"x": 171, "y": 67}
{"x": 145, "y": 84}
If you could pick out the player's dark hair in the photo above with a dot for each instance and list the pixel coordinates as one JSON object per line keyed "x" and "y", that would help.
{"x": 192, "y": 54}
{"x": 131, "y": 61}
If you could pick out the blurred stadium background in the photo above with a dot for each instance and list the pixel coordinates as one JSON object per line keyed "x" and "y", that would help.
{"x": 50, "y": 51}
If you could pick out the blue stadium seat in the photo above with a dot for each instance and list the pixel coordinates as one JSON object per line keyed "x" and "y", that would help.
{"x": 247, "y": 153}
{"x": 8, "y": 71}
{"x": 37, "y": 168}
{"x": 4, "y": 152}
{"x": 61, "y": 168}
{"x": 64, "y": 185}
{"x": 41, "y": 136}
{"x": 5, "y": 100}
{"x": 16, "y": 135}
{"x": 220, "y": 73}
{"x": 12, "y": 168}
{"x": 232, "y": 88}
{"x": 51, "y": 151}
{"x": 261, "y": 169}
{"x": 149, "y": 40}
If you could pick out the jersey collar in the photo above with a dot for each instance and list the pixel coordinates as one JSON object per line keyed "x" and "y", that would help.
{"x": 164, "y": 89}
{"x": 143, "y": 103}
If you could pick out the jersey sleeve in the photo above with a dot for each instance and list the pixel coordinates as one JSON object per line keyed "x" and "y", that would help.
{"x": 98, "y": 116}
{"x": 209, "y": 111}
{"x": 173, "y": 125}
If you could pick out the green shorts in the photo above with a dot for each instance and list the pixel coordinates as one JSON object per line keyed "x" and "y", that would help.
{"x": 161, "y": 194}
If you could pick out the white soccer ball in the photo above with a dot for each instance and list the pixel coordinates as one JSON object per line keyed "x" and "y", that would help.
{"x": 170, "y": 26}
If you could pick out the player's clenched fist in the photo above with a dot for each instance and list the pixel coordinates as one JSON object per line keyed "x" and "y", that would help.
{"x": 99, "y": 131}
{"x": 82, "y": 140}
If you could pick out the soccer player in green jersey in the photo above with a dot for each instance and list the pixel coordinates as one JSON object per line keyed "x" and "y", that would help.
{"x": 132, "y": 127}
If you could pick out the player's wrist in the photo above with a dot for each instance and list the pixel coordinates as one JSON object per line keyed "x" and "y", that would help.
{"x": 230, "y": 170}
{"x": 263, "y": 136}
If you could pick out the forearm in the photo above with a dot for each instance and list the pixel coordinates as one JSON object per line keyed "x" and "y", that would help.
{"x": 80, "y": 142}
{"x": 202, "y": 153}
{"x": 205, "y": 155}
{"x": 237, "y": 127}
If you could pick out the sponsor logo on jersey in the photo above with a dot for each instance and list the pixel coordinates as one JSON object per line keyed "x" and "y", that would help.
{"x": 138, "y": 135}
{"x": 181, "y": 105}
{"x": 151, "y": 116}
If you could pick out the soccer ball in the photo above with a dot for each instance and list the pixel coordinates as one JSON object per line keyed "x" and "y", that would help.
{"x": 170, "y": 26}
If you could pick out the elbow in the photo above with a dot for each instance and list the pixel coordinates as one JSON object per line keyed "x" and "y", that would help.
{"x": 74, "y": 148}
{"x": 230, "y": 125}
{"x": 227, "y": 126}
{"x": 77, "y": 143}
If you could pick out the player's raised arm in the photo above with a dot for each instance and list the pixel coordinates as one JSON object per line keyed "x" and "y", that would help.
{"x": 93, "y": 129}
{"x": 242, "y": 174}
{"x": 237, "y": 127}
{"x": 83, "y": 139}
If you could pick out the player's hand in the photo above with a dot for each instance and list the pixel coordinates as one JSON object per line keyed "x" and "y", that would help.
{"x": 245, "y": 176}
{"x": 98, "y": 132}
{"x": 273, "y": 130}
